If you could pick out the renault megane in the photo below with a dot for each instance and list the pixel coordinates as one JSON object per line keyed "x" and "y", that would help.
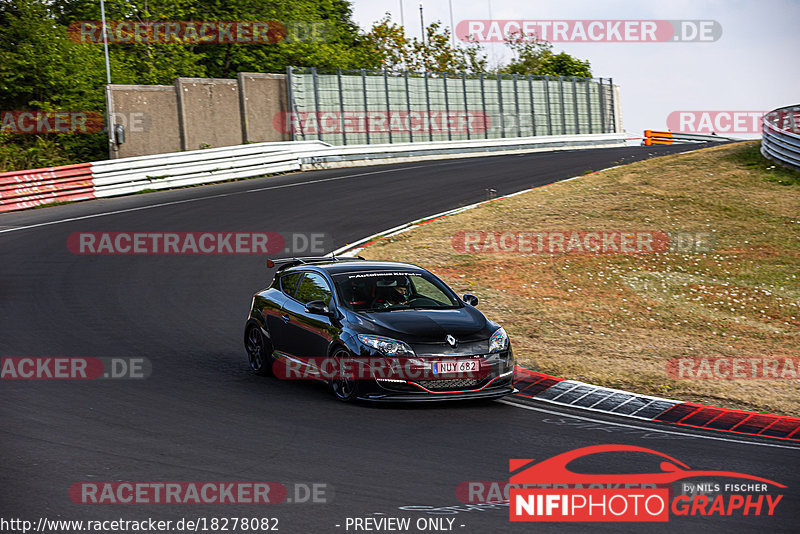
{"x": 375, "y": 330}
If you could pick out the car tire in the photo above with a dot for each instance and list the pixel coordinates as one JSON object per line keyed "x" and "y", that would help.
{"x": 259, "y": 353}
{"x": 344, "y": 388}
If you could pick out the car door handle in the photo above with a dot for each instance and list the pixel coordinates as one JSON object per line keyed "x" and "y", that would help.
{"x": 285, "y": 318}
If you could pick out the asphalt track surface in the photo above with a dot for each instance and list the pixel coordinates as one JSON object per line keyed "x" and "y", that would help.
{"x": 202, "y": 416}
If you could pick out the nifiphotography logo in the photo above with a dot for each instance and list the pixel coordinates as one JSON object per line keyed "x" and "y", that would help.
{"x": 550, "y": 491}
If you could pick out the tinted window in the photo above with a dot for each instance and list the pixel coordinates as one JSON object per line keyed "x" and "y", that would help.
{"x": 289, "y": 283}
{"x": 313, "y": 287}
{"x": 378, "y": 291}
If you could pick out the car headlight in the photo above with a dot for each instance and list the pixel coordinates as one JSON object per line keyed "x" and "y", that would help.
{"x": 499, "y": 341}
{"x": 386, "y": 345}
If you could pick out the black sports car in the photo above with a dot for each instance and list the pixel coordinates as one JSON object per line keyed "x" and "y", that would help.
{"x": 373, "y": 330}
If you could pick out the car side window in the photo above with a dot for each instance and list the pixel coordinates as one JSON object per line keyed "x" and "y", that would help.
{"x": 289, "y": 283}
{"x": 314, "y": 287}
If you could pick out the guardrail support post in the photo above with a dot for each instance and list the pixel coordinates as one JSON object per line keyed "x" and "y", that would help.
{"x": 408, "y": 109}
{"x": 316, "y": 102}
{"x": 601, "y": 90}
{"x": 533, "y": 109}
{"x": 366, "y": 109}
{"x": 485, "y": 116}
{"x": 290, "y": 99}
{"x": 547, "y": 105}
{"x": 563, "y": 108}
{"x": 388, "y": 105}
{"x": 589, "y": 103}
{"x": 500, "y": 103}
{"x": 447, "y": 107}
{"x": 516, "y": 106}
{"x": 466, "y": 105}
{"x": 613, "y": 111}
{"x": 428, "y": 104}
{"x": 575, "y": 104}
{"x": 341, "y": 105}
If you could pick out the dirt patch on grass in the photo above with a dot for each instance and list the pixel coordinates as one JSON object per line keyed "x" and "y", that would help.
{"x": 616, "y": 319}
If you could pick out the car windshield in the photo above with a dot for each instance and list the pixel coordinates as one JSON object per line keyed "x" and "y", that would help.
{"x": 388, "y": 291}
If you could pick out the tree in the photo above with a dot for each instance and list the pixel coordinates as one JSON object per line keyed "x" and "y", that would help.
{"x": 395, "y": 51}
{"x": 529, "y": 54}
{"x": 564, "y": 64}
{"x": 534, "y": 56}
{"x": 41, "y": 68}
{"x": 44, "y": 67}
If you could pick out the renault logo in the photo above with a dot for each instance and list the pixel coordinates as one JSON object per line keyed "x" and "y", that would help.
{"x": 451, "y": 341}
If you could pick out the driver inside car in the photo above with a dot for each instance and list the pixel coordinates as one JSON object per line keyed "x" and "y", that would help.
{"x": 391, "y": 293}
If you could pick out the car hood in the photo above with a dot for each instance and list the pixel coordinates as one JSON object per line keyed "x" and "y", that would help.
{"x": 429, "y": 326}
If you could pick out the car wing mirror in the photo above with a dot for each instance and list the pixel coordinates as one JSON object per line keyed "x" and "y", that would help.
{"x": 317, "y": 307}
{"x": 470, "y": 299}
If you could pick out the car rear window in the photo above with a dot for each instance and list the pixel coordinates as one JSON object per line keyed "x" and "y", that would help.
{"x": 314, "y": 287}
{"x": 289, "y": 283}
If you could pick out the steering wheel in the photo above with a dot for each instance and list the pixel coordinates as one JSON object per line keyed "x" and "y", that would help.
{"x": 384, "y": 301}
{"x": 379, "y": 303}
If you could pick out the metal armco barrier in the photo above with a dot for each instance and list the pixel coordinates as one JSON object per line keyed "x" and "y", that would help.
{"x": 26, "y": 189}
{"x": 780, "y": 136}
{"x": 655, "y": 137}
{"x": 179, "y": 169}
{"x": 355, "y": 155}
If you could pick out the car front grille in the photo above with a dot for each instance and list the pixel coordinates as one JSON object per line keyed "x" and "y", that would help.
{"x": 455, "y": 383}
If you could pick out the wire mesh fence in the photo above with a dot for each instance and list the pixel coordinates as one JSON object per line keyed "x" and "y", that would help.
{"x": 366, "y": 107}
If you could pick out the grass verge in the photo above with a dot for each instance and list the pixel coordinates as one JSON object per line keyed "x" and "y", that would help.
{"x": 617, "y": 319}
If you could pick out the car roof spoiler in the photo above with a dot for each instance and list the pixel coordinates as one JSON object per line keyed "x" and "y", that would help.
{"x": 285, "y": 263}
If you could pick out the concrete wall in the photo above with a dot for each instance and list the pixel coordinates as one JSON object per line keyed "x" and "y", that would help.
{"x": 262, "y": 98}
{"x": 209, "y": 112}
{"x": 149, "y": 114}
{"x": 197, "y": 113}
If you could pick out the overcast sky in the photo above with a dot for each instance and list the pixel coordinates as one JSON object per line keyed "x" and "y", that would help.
{"x": 753, "y": 66}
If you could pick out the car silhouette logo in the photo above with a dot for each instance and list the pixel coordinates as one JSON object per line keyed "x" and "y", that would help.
{"x": 451, "y": 341}
{"x": 554, "y": 470}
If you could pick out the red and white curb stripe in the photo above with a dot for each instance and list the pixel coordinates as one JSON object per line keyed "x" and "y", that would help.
{"x": 577, "y": 394}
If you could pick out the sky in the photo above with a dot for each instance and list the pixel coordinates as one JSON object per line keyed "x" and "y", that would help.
{"x": 753, "y": 66}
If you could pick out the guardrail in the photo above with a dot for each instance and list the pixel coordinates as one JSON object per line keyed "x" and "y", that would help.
{"x": 21, "y": 190}
{"x": 30, "y": 188}
{"x": 179, "y": 169}
{"x": 780, "y": 136}
{"x": 352, "y": 155}
{"x": 656, "y": 137}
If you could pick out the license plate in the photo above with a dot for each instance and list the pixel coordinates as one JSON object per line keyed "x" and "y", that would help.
{"x": 456, "y": 366}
